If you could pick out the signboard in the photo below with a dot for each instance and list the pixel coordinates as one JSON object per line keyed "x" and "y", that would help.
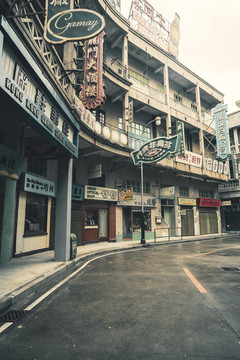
{"x": 186, "y": 201}
{"x": 125, "y": 195}
{"x": 153, "y": 26}
{"x": 11, "y": 162}
{"x": 148, "y": 201}
{"x": 190, "y": 159}
{"x": 167, "y": 193}
{"x": 77, "y": 193}
{"x": 37, "y": 185}
{"x": 64, "y": 24}
{"x": 222, "y": 134}
{"x": 95, "y": 171}
{"x": 180, "y": 131}
{"x": 203, "y": 202}
{"x": 226, "y": 203}
{"x": 156, "y": 150}
{"x": 100, "y": 193}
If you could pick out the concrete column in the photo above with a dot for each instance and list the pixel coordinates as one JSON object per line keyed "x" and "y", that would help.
{"x": 7, "y": 230}
{"x": 235, "y": 135}
{"x": 125, "y": 56}
{"x": 63, "y": 210}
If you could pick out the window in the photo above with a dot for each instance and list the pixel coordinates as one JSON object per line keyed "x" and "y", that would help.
{"x": 138, "y": 135}
{"x": 99, "y": 116}
{"x": 136, "y": 186}
{"x": 203, "y": 193}
{"x": 36, "y": 215}
{"x": 37, "y": 166}
{"x": 194, "y": 107}
{"x": 178, "y": 98}
{"x": 184, "y": 191}
{"x": 91, "y": 218}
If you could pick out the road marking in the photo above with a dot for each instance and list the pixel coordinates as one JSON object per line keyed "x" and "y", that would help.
{"x": 195, "y": 281}
{"x": 5, "y": 326}
{"x": 212, "y": 252}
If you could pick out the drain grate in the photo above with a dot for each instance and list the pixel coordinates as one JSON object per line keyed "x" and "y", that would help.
{"x": 230, "y": 268}
{"x": 12, "y": 315}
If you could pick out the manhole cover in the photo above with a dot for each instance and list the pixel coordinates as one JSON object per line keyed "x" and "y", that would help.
{"x": 228, "y": 268}
{"x": 12, "y": 315}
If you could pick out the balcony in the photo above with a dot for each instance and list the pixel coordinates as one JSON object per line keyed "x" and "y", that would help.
{"x": 184, "y": 109}
{"x": 115, "y": 66}
{"x": 231, "y": 186}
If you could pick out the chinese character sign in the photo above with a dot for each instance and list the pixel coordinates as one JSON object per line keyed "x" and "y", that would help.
{"x": 156, "y": 150}
{"x": 92, "y": 91}
{"x": 222, "y": 134}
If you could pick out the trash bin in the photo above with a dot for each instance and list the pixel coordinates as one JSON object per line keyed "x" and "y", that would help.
{"x": 73, "y": 246}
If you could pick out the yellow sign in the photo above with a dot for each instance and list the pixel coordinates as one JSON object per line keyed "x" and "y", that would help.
{"x": 186, "y": 201}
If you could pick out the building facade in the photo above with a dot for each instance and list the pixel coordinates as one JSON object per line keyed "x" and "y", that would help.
{"x": 76, "y": 147}
{"x": 230, "y": 192}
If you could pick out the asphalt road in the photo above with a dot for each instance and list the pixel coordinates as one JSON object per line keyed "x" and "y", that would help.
{"x": 165, "y": 302}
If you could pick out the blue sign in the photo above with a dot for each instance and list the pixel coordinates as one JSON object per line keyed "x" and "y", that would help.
{"x": 222, "y": 134}
{"x": 156, "y": 150}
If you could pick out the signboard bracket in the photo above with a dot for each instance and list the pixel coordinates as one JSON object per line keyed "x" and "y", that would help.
{"x": 22, "y": 7}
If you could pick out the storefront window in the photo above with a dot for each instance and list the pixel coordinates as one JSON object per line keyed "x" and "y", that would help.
{"x": 91, "y": 217}
{"x": 36, "y": 215}
{"x": 136, "y": 220}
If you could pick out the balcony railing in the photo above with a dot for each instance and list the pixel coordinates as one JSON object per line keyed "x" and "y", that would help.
{"x": 184, "y": 109}
{"x": 232, "y": 185}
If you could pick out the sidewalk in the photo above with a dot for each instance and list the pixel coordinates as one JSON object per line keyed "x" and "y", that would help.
{"x": 25, "y": 275}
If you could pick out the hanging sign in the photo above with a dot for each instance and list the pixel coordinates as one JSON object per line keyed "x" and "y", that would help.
{"x": 222, "y": 134}
{"x": 156, "y": 150}
{"x": 64, "y": 24}
{"x": 180, "y": 131}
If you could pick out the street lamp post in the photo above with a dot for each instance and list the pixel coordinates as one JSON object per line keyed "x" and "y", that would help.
{"x": 143, "y": 240}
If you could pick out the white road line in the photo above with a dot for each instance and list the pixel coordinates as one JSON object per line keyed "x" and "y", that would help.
{"x": 44, "y": 296}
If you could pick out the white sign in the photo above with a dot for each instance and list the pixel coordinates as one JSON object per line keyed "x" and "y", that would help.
{"x": 190, "y": 159}
{"x": 100, "y": 193}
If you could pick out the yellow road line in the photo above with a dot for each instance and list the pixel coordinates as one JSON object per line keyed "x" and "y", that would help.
{"x": 195, "y": 281}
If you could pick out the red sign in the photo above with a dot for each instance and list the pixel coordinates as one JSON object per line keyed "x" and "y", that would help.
{"x": 208, "y": 202}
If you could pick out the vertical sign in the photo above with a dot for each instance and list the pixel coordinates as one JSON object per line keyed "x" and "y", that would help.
{"x": 180, "y": 131}
{"x": 92, "y": 91}
{"x": 222, "y": 134}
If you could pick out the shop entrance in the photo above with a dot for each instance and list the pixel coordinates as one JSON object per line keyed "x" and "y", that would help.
{"x": 208, "y": 221}
{"x": 187, "y": 221}
{"x": 132, "y": 222}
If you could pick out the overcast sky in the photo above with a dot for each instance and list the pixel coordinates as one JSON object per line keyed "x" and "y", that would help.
{"x": 210, "y": 40}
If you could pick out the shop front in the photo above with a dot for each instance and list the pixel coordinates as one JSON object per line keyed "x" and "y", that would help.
{"x": 209, "y": 215}
{"x": 187, "y": 216}
{"x": 131, "y": 217}
{"x": 33, "y": 113}
{"x": 99, "y": 214}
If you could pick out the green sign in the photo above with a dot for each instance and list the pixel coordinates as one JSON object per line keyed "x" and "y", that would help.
{"x": 64, "y": 24}
{"x": 156, "y": 150}
{"x": 77, "y": 193}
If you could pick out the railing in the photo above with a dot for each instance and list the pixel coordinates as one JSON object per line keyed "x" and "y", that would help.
{"x": 169, "y": 230}
{"x": 184, "y": 109}
{"x": 230, "y": 186}
{"x": 147, "y": 90}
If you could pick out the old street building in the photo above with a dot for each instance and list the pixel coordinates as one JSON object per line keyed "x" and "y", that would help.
{"x": 72, "y": 113}
{"x": 230, "y": 192}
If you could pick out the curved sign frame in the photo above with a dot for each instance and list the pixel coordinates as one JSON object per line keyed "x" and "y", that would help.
{"x": 63, "y": 24}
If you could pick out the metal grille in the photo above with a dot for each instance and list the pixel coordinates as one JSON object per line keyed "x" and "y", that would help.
{"x": 230, "y": 268}
{"x": 12, "y": 315}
